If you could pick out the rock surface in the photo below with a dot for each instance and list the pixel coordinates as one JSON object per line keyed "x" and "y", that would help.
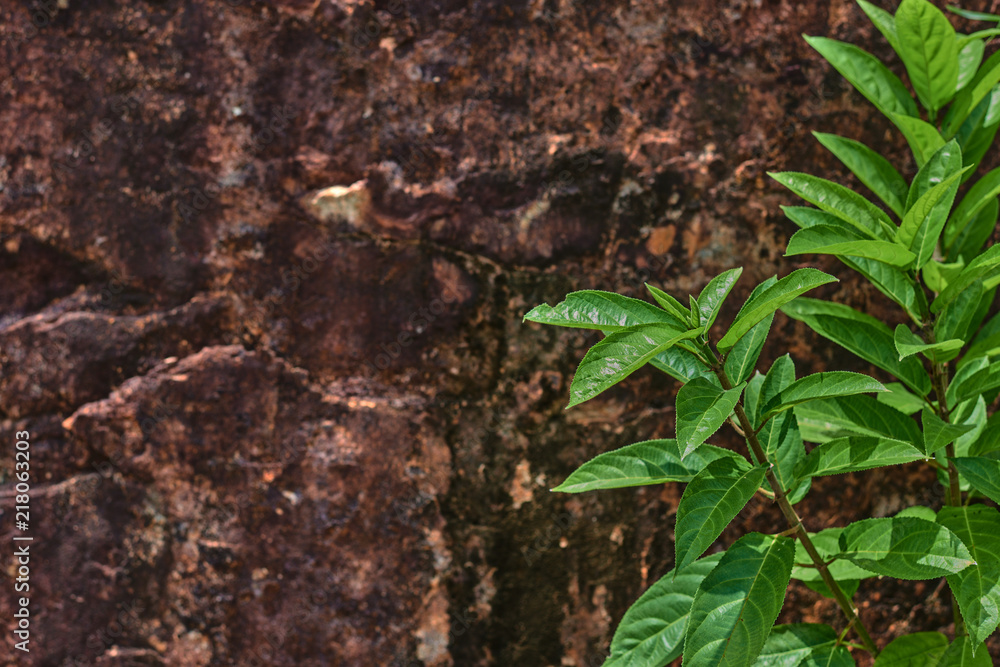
{"x": 263, "y": 271}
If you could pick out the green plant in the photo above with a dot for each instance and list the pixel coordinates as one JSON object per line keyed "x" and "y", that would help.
{"x": 720, "y": 609}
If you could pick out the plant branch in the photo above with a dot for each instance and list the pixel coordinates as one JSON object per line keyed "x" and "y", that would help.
{"x": 939, "y": 378}
{"x": 780, "y": 496}
{"x": 934, "y": 464}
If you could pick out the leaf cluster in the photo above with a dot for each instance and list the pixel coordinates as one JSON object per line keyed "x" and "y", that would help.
{"x": 922, "y": 245}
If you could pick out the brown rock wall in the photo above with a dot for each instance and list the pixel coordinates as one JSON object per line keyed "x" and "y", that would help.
{"x": 262, "y": 271}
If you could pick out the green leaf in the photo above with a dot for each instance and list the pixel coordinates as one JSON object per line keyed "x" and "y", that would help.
{"x": 962, "y": 653}
{"x": 884, "y": 21}
{"x": 844, "y": 203}
{"x": 945, "y": 162}
{"x": 977, "y": 588}
{"x": 992, "y": 115}
{"x": 857, "y": 453}
{"x": 641, "y": 464}
{"x": 713, "y": 498}
{"x": 981, "y": 85}
{"x": 606, "y": 311}
{"x": 861, "y": 334}
{"x": 969, "y": 59}
{"x": 937, "y": 274}
{"x": 900, "y": 399}
{"x": 973, "y": 414}
{"x": 922, "y": 224}
{"x": 702, "y": 407}
{"x": 919, "y": 511}
{"x": 965, "y": 372}
{"x": 712, "y": 297}
{"x": 695, "y": 318}
{"x": 737, "y": 603}
{"x": 956, "y": 319}
{"x": 929, "y": 201}
{"x": 803, "y": 644}
{"x": 867, "y": 73}
{"x": 974, "y": 16}
{"x": 780, "y": 376}
{"x": 872, "y": 169}
{"x": 908, "y": 343}
{"x": 923, "y": 649}
{"x": 966, "y": 386}
{"x": 929, "y": 49}
{"x": 619, "y": 355}
{"x": 781, "y": 439}
{"x": 982, "y": 193}
{"x": 743, "y": 357}
{"x": 807, "y": 216}
{"x": 985, "y": 343}
{"x": 859, "y": 415}
{"x": 680, "y": 364}
{"x": 977, "y": 35}
{"x": 904, "y": 548}
{"x": 983, "y": 474}
{"x": 652, "y": 630}
{"x": 985, "y": 267}
{"x": 669, "y": 303}
{"x": 969, "y": 242}
{"x": 937, "y": 432}
{"x": 751, "y": 396}
{"x": 990, "y": 287}
{"x": 794, "y": 284}
{"x": 829, "y": 240}
{"x": 891, "y": 281}
{"x": 989, "y": 440}
{"x": 819, "y": 385}
{"x": 976, "y": 133}
{"x": 827, "y": 543}
{"x": 931, "y": 649}
{"x": 923, "y": 138}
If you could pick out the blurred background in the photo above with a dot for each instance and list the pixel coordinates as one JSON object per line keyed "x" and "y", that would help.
{"x": 262, "y": 272}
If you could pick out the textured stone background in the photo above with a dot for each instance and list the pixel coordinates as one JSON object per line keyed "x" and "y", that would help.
{"x": 262, "y": 273}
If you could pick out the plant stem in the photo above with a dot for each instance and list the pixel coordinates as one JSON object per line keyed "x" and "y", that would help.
{"x": 934, "y": 464}
{"x": 939, "y": 378}
{"x": 780, "y": 496}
